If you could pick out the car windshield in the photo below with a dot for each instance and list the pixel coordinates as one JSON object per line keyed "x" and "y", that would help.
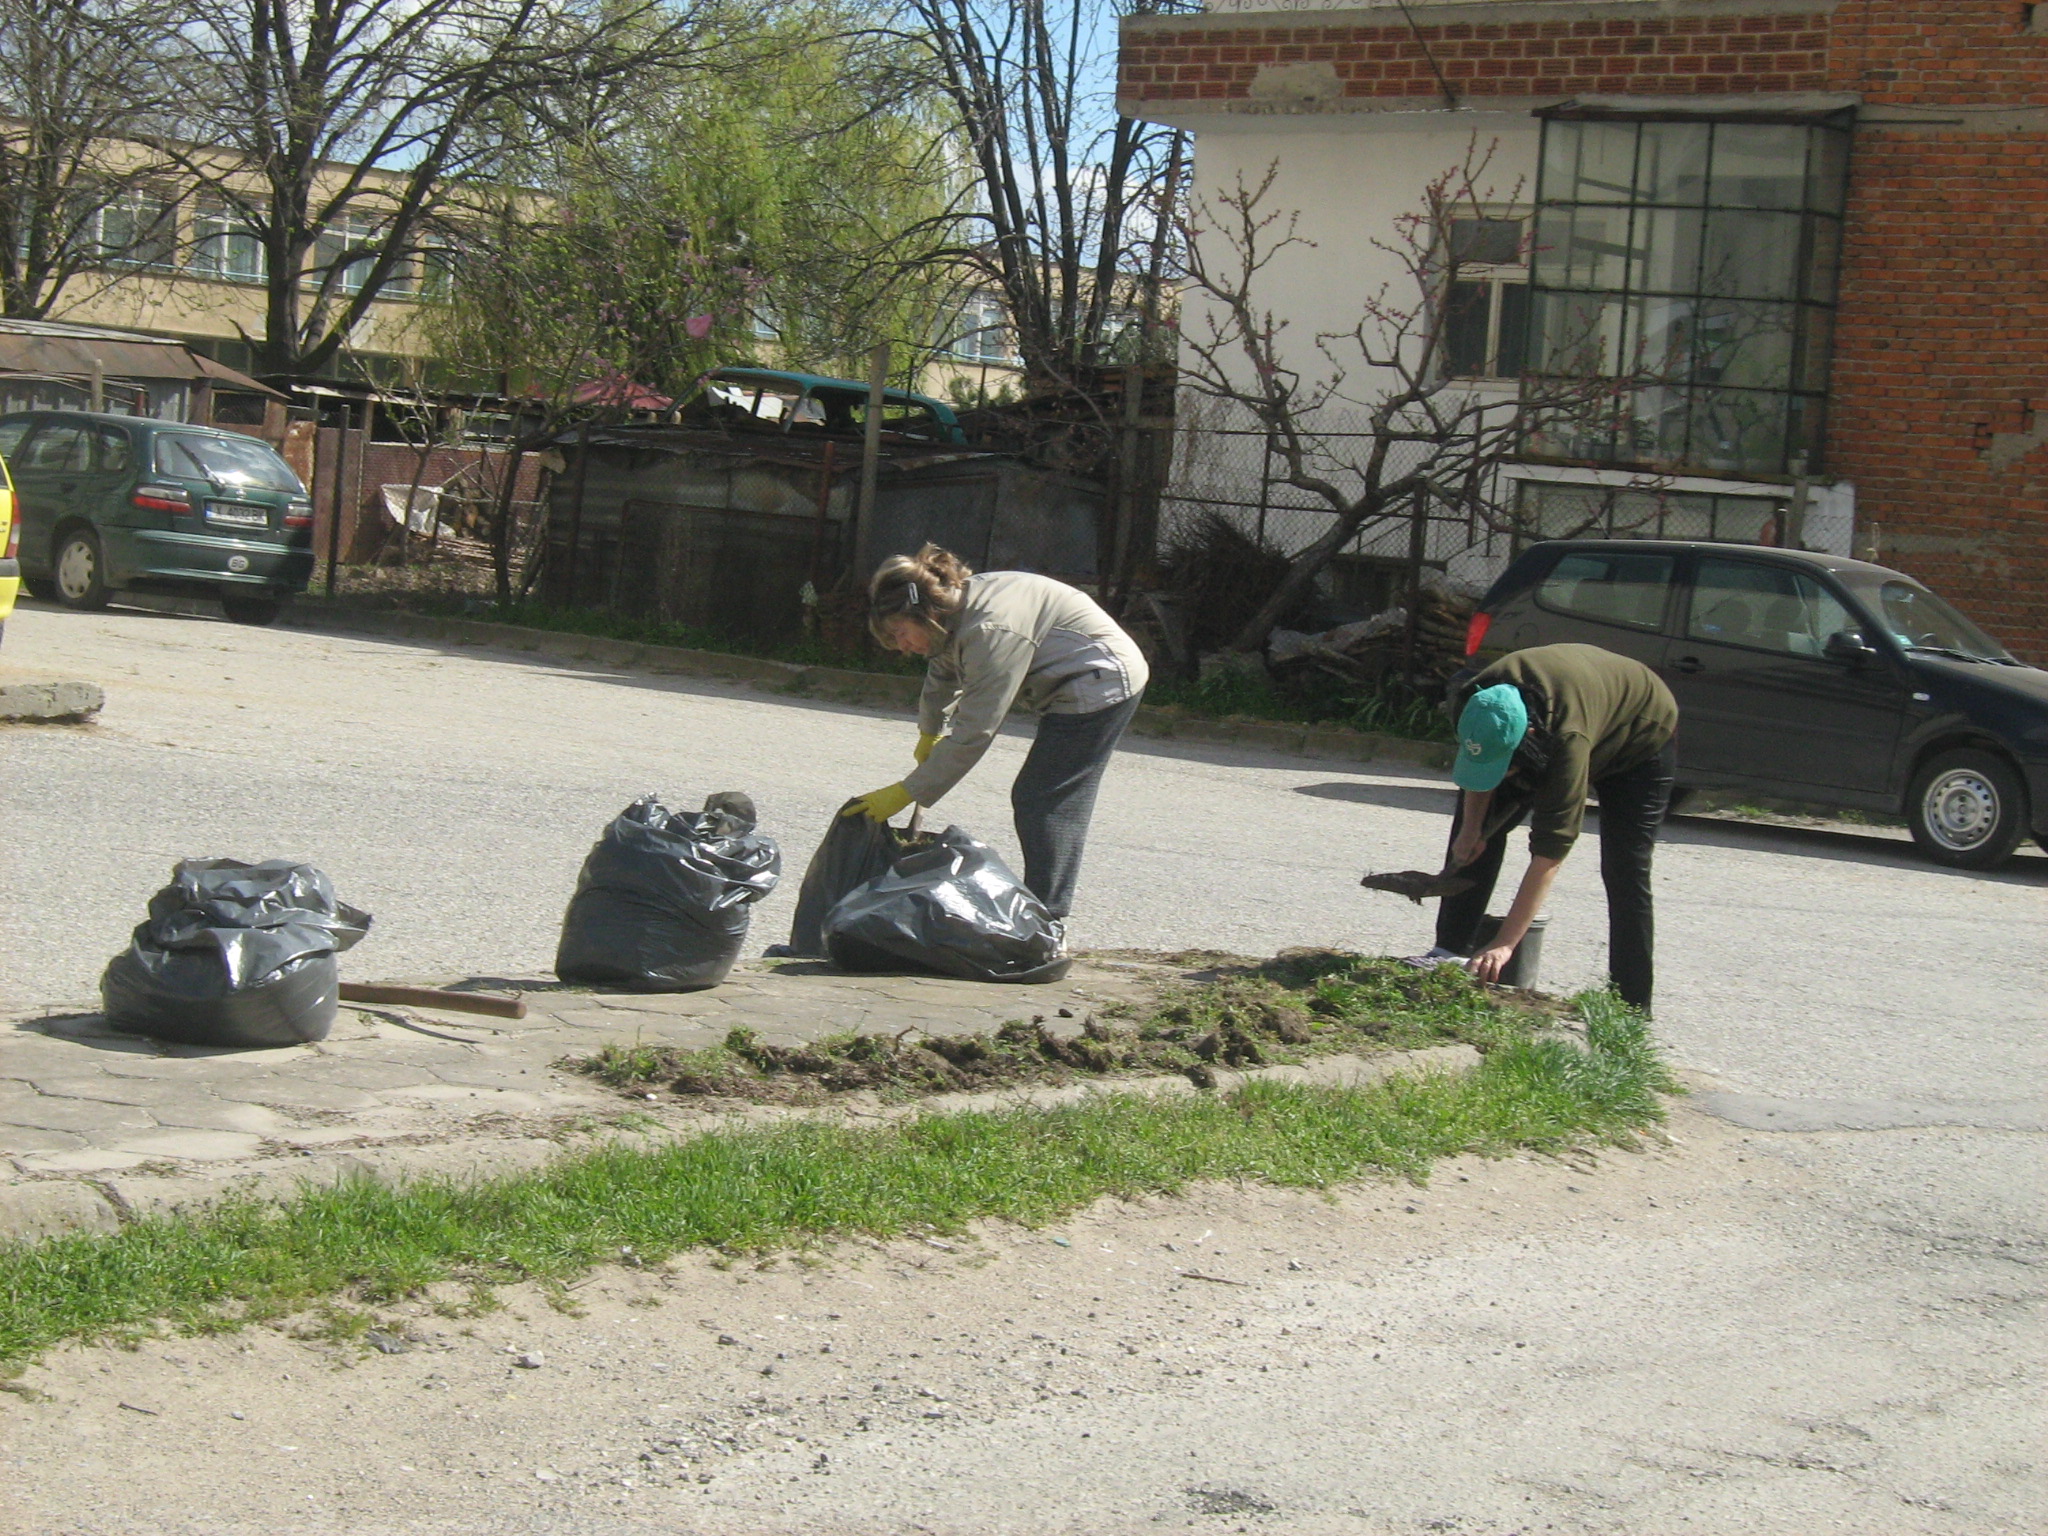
{"x": 231, "y": 462}
{"x": 1921, "y": 621}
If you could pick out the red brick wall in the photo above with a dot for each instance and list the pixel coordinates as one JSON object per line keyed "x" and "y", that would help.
{"x": 1651, "y": 54}
{"x": 1942, "y": 339}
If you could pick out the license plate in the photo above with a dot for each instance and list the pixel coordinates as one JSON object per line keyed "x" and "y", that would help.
{"x": 238, "y": 514}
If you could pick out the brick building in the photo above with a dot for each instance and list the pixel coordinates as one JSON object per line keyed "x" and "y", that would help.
{"x": 1824, "y": 221}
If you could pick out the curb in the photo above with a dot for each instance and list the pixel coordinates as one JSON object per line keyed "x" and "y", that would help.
{"x": 52, "y": 703}
{"x": 105, "y": 1203}
{"x": 843, "y": 685}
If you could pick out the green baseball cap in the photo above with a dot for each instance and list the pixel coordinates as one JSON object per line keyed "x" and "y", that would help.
{"x": 1493, "y": 724}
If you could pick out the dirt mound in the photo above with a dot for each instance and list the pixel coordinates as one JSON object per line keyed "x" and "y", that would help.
{"x": 1300, "y": 1004}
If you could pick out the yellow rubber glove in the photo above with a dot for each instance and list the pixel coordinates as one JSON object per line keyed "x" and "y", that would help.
{"x": 924, "y": 746}
{"x": 880, "y": 804}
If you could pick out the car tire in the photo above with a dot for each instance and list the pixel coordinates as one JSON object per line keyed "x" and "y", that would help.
{"x": 251, "y": 610}
{"x": 81, "y": 570}
{"x": 1967, "y": 809}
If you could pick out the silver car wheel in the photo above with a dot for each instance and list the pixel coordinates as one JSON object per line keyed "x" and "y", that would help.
{"x": 1960, "y": 809}
{"x": 76, "y": 567}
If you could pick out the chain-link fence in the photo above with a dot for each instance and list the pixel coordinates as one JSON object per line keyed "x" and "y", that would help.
{"x": 1225, "y": 464}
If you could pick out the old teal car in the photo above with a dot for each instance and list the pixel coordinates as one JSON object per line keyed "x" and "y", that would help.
{"x": 112, "y": 504}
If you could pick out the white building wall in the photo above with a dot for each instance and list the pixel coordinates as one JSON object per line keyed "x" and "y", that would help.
{"x": 1347, "y": 178}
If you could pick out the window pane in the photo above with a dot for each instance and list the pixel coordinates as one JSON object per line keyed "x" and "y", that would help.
{"x": 1511, "y": 353}
{"x": 1759, "y": 165}
{"x": 10, "y": 437}
{"x": 1749, "y": 345}
{"x": 1751, "y": 255}
{"x": 1590, "y": 249}
{"x": 1613, "y": 589}
{"x": 1578, "y": 334}
{"x": 1739, "y": 429}
{"x": 1560, "y": 160}
{"x": 1738, "y": 602}
{"x": 1661, "y": 337}
{"x": 1671, "y": 167}
{"x": 1607, "y": 164}
{"x": 1465, "y": 323}
{"x": 1486, "y": 242}
{"x": 1658, "y": 422}
{"x": 1667, "y": 254}
{"x": 1915, "y": 616}
{"x": 116, "y": 452}
{"x": 58, "y": 445}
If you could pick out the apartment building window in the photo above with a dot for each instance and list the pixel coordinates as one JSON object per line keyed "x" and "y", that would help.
{"x": 224, "y": 246}
{"x": 334, "y": 250}
{"x": 1486, "y": 310}
{"x": 137, "y": 229}
{"x": 1692, "y": 263}
{"x": 981, "y": 332}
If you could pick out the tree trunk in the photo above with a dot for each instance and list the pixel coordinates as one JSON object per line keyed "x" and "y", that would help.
{"x": 501, "y": 533}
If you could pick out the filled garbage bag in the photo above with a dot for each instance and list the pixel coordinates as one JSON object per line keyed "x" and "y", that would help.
{"x": 663, "y": 902}
{"x": 855, "y": 850}
{"x": 952, "y": 907}
{"x": 234, "y": 954}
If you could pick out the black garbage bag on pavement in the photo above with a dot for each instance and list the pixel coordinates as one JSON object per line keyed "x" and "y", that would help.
{"x": 663, "y": 902}
{"x": 855, "y": 850}
{"x": 234, "y": 954}
{"x": 952, "y": 907}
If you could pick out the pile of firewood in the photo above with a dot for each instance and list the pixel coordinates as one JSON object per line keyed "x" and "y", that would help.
{"x": 1385, "y": 648}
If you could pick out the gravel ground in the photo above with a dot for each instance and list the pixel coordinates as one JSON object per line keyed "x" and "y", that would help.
{"x": 1820, "y": 1312}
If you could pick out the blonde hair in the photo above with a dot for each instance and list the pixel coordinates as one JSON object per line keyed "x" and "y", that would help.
{"x": 928, "y": 586}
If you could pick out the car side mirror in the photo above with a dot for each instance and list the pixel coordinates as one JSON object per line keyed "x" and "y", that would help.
{"x": 1849, "y": 645}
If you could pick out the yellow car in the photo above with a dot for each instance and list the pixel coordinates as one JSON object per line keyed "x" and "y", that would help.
{"x": 10, "y": 539}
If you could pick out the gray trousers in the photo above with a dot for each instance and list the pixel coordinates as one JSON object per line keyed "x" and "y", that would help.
{"x": 1053, "y": 798}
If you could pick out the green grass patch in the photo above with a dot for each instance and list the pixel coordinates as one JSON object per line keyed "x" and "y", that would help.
{"x": 803, "y": 1181}
{"x": 1311, "y": 1003}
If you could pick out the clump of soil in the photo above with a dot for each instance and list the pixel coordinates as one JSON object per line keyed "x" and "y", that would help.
{"x": 1298, "y": 1005}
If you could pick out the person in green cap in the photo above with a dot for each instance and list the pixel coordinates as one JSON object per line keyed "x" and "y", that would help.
{"x": 1537, "y": 732}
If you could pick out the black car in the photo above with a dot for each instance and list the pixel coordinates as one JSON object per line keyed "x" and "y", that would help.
{"x": 1804, "y": 677}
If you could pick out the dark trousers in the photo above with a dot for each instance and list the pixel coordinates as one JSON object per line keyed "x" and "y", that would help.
{"x": 1053, "y": 798}
{"x": 1632, "y": 804}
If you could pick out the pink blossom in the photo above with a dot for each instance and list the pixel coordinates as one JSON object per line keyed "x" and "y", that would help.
{"x": 697, "y": 327}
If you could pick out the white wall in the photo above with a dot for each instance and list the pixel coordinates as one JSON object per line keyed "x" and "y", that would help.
{"x": 1351, "y": 177}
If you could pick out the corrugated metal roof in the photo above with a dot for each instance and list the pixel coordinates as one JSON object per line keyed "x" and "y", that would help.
{"x": 69, "y": 351}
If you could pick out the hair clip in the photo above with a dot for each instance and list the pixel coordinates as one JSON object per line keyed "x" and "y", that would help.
{"x": 916, "y": 596}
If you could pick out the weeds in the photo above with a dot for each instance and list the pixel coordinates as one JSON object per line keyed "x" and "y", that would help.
{"x": 765, "y": 1189}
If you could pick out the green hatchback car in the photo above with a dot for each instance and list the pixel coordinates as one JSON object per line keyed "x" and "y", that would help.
{"x": 127, "y": 503}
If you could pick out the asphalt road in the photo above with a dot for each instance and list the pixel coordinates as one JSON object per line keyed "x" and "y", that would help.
{"x": 1822, "y": 1311}
{"x": 454, "y": 793}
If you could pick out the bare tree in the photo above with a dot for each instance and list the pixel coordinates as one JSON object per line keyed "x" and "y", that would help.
{"x": 335, "y": 131}
{"x": 1067, "y": 201}
{"x": 81, "y": 83}
{"x": 1370, "y": 420}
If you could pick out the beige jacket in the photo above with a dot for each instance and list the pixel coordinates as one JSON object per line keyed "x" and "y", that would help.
{"x": 1020, "y": 641}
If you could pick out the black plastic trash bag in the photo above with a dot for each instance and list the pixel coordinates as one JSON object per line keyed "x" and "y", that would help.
{"x": 951, "y": 907}
{"x": 662, "y": 903}
{"x": 234, "y": 954}
{"x": 856, "y": 849}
